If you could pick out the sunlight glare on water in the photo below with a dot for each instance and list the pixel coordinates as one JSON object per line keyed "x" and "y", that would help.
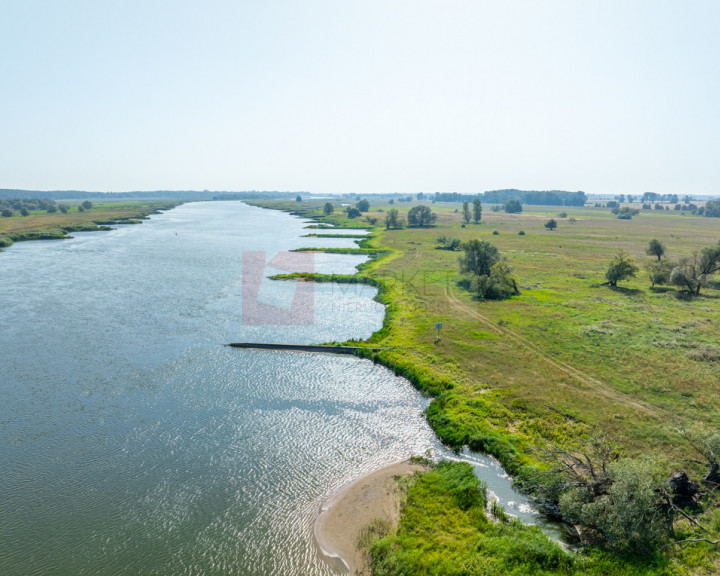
{"x": 134, "y": 442}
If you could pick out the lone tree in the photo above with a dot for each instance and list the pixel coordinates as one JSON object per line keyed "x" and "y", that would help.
{"x": 551, "y": 224}
{"x": 655, "y": 248}
{"x": 352, "y": 212}
{"x": 363, "y": 206}
{"x": 513, "y": 207}
{"x": 421, "y": 217}
{"x": 466, "y": 212}
{"x": 87, "y": 204}
{"x": 392, "y": 219}
{"x": 622, "y": 267}
{"x": 298, "y": 198}
{"x": 477, "y": 210}
{"x": 328, "y": 208}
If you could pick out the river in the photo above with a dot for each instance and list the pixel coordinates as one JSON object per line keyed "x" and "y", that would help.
{"x": 133, "y": 442}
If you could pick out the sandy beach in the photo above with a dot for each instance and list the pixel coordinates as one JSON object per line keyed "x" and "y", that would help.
{"x": 341, "y": 518}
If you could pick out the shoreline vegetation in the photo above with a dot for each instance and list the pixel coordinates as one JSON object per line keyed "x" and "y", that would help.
{"x": 370, "y": 503}
{"x": 59, "y": 223}
{"x": 565, "y": 367}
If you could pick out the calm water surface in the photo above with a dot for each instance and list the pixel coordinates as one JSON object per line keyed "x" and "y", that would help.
{"x": 133, "y": 442}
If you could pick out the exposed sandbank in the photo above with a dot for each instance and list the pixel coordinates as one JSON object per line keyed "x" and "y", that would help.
{"x": 341, "y": 518}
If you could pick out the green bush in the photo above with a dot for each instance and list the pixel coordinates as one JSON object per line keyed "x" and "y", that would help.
{"x": 632, "y": 516}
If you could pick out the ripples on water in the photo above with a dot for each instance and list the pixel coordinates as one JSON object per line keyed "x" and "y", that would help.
{"x": 133, "y": 442}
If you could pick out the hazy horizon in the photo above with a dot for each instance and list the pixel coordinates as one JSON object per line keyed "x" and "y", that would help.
{"x": 367, "y": 97}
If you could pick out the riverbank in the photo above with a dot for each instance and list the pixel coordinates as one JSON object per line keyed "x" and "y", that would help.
{"x": 41, "y": 225}
{"x": 373, "y": 497}
{"x": 200, "y": 457}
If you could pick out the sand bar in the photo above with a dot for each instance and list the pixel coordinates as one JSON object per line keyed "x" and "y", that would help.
{"x": 341, "y": 518}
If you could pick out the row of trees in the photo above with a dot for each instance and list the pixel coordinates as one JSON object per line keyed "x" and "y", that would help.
{"x": 537, "y": 197}
{"x": 10, "y": 207}
{"x": 417, "y": 217}
{"x": 711, "y": 208}
{"x": 474, "y": 214}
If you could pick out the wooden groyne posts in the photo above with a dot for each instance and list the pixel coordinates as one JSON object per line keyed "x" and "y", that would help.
{"x": 303, "y": 347}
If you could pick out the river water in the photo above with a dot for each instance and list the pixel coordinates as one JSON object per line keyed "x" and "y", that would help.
{"x": 133, "y": 442}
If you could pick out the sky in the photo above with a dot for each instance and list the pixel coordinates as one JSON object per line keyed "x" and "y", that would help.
{"x": 370, "y": 96}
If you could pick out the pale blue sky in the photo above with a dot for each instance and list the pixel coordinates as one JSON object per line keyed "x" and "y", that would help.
{"x": 361, "y": 96}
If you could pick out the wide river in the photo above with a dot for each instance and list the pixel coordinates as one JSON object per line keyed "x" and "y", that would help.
{"x": 133, "y": 442}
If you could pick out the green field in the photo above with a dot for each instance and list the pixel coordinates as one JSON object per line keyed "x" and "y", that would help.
{"x": 567, "y": 359}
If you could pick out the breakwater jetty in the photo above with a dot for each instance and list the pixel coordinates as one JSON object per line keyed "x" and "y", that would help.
{"x": 304, "y": 347}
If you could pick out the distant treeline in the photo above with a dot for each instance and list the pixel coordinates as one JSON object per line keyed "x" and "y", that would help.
{"x": 538, "y": 197}
{"x": 179, "y": 194}
{"x": 255, "y": 194}
{"x": 453, "y": 197}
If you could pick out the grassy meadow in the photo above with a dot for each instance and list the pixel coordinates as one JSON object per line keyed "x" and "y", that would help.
{"x": 568, "y": 358}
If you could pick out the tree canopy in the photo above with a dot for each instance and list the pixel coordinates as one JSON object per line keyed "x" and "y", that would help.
{"x": 622, "y": 267}
{"x": 392, "y": 219}
{"x": 692, "y": 273}
{"x": 487, "y": 275}
{"x": 466, "y": 212}
{"x": 712, "y": 209}
{"x": 512, "y": 207}
{"x": 655, "y": 248}
{"x": 478, "y": 257}
{"x": 477, "y": 210}
{"x": 421, "y": 217}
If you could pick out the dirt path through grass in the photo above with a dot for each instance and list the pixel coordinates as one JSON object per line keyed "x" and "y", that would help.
{"x": 593, "y": 383}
